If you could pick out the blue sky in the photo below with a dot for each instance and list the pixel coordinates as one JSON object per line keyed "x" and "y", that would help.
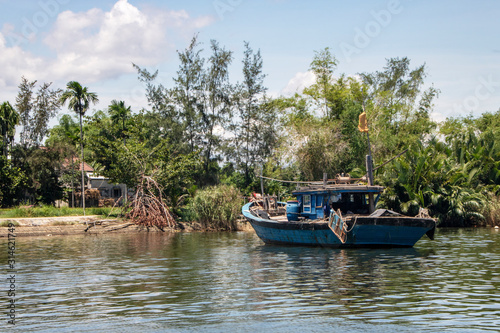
{"x": 95, "y": 42}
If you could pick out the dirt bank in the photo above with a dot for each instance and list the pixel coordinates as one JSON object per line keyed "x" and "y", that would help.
{"x": 74, "y": 225}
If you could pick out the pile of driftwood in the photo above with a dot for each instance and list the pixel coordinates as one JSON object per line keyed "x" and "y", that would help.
{"x": 147, "y": 207}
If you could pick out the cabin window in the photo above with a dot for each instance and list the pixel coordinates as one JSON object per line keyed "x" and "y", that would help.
{"x": 335, "y": 197}
{"x": 351, "y": 203}
{"x": 307, "y": 203}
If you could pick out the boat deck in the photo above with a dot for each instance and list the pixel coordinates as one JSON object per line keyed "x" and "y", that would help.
{"x": 283, "y": 219}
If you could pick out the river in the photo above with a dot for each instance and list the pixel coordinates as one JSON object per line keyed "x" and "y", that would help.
{"x": 218, "y": 282}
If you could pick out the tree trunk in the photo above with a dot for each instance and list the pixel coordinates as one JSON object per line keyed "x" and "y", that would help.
{"x": 83, "y": 169}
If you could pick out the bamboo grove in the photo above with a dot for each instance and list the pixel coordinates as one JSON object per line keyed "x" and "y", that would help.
{"x": 199, "y": 132}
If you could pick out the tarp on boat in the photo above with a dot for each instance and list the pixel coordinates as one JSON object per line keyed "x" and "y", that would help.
{"x": 384, "y": 212}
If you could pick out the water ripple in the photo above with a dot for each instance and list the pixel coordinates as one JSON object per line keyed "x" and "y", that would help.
{"x": 221, "y": 281}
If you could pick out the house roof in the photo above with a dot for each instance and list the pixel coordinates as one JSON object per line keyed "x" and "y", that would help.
{"x": 86, "y": 167}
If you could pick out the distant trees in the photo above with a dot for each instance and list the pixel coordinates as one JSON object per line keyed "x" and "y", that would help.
{"x": 255, "y": 120}
{"x": 398, "y": 108}
{"x": 119, "y": 115}
{"x": 211, "y": 117}
{"x": 321, "y": 122}
{"x": 35, "y": 110}
{"x": 12, "y": 181}
{"x": 26, "y": 172}
{"x": 204, "y": 130}
{"x": 323, "y": 65}
{"x": 9, "y": 118}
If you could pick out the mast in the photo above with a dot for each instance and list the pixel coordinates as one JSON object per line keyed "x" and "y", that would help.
{"x": 363, "y": 127}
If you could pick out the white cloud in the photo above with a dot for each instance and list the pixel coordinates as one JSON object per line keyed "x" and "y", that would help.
{"x": 12, "y": 60}
{"x": 100, "y": 45}
{"x": 95, "y": 45}
{"x": 300, "y": 81}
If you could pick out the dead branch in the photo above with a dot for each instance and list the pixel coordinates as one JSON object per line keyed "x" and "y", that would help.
{"x": 148, "y": 207}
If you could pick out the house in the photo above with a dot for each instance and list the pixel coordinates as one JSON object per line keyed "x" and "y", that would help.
{"x": 106, "y": 189}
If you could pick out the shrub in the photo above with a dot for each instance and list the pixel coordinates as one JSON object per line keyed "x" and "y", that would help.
{"x": 492, "y": 211}
{"x": 218, "y": 207}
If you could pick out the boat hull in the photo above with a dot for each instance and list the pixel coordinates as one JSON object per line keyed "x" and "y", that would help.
{"x": 364, "y": 231}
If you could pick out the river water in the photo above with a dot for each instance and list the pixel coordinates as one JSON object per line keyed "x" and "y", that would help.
{"x": 218, "y": 282}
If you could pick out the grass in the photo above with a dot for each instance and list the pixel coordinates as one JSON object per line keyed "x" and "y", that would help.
{"x": 492, "y": 211}
{"x": 8, "y": 223}
{"x": 218, "y": 207}
{"x": 51, "y": 211}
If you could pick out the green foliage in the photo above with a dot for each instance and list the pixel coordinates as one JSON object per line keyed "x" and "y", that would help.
{"x": 323, "y": 66}
{"x": 36, "y": 110}
{"x": 120, "y": 115}
{"x": 12, "y": 180}
{"x": 398, "y": 110}
{"x": 51, "y": 211}
{"x": 41, "y": 170}
{"x": 9, "y": 118}
{"x": 205, "y": 130}
{"x": 427, "y": 177}
{"x": 147, "y": 151}
{"x": 79, "y": 100}
{"x": 218, "y": 207}
{"x": 254, "y": 131}
{"x": 491, "y": 211}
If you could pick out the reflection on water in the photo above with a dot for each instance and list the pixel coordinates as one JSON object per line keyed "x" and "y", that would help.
{"x": 229, "y": 282}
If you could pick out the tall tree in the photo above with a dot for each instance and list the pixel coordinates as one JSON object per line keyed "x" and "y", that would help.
{"x": 79, "y": 99}
{"x": 9, "y": 118}
{"x": 400, "y": 108}
{"x": 323, "y": 66}
{"x": 216, "y": 109}
{"x": 47, "y": 105}
{"x": 24, "y": 105}
{"x": 12, "y": 180}
{"x": 36, "y": 110}
{"x": 188, "y": 91}
{"x": 119, "y": 114}
{"x": 64, "y": 138}
{"x": 254, "y": 130}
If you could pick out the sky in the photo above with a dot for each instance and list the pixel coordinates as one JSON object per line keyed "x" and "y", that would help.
{"x": 96, "y": 42}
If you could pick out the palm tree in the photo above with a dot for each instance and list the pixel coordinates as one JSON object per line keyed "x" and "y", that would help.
{"x": 9, "y": 118}
{"x": 119, "y": 112}
{"x": 79, "y": 101}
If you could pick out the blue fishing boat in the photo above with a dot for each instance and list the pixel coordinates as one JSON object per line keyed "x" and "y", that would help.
{"x": 335, "y": 215}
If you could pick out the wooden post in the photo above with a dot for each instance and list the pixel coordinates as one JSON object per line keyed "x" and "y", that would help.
{"x": 264, "y": 202}
{"x": 369, "y": 161}
{"x": 325, "y": 179}
{"x": 369, "y": 169}
{"x": 262, "y": 186}
{"x": 371, "y": 203}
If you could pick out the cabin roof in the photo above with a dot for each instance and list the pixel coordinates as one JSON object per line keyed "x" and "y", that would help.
{"x": 338, "y": 188}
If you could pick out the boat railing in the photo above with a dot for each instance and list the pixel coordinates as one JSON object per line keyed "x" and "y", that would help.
{"x": 268, "y": 203}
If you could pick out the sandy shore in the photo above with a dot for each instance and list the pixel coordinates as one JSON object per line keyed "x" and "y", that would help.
{"x": 66, "y": 225}
{"x": 93, "y": 224}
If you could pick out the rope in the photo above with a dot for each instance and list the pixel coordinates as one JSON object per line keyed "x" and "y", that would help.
{"x": 291, "y": 181}
{"x": 355, "y": 220}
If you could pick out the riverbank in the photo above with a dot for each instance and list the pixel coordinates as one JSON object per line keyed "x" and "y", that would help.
{"x": 93, "y": 224}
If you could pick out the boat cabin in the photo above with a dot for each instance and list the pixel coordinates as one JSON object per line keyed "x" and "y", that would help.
{"x": 315, "y": 202}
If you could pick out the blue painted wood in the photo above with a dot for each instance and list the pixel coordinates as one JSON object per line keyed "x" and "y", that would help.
{"x": 366, "y": 232}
